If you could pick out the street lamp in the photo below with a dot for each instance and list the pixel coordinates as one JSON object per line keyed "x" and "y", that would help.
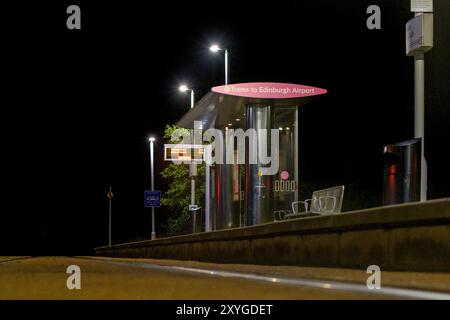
{"x": 184, "y": 88}
{"x": 215, "y": 48}
{"x": 152, "y": 139}
{"x": 192, "y": 165}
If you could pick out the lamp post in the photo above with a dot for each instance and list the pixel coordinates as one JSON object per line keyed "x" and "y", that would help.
{"x": 215, "y": 48}
{"x": 192, "y": 164}
{"x": 184, "y": 88}
{"x": 152, "y": 139}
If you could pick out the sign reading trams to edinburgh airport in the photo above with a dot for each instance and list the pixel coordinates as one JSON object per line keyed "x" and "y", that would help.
{"x": 268, "y": 90}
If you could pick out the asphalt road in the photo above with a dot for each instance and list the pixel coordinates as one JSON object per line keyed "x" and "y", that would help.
{"x": 46, "y": 278}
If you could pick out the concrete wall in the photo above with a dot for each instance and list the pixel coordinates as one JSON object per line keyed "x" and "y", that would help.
{"x": 403, "y": 237}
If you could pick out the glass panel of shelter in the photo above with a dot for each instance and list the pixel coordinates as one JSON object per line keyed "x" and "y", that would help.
{"x": 281, "y": 188}
{"x": 285, "y": 182}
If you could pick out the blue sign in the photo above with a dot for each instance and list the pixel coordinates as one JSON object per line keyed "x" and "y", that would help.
{"x": 152, "y": 199}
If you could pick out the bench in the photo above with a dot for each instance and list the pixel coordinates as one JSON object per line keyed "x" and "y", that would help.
{"x": 322, "y": 202}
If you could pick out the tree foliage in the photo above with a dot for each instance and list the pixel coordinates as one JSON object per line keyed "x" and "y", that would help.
{"x": 178, "y": 195}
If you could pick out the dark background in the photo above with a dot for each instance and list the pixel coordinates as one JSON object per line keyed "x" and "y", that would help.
{"x": 78, "y": 106}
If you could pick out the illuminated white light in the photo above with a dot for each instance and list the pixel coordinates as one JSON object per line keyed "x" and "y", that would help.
{"x": 183, "y": 88}
{"x": 214, "y": 48}
{"x": 230, "y": 124}
{"x": 287, "y": 128}
{"x": 280, "y": 128}
{"x": 151, "y": 139}
{"x": 238, "y": 120}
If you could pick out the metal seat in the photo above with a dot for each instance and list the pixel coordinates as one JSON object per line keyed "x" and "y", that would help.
{"x": 322, "y": 202}
{"x": 280, "y": 215}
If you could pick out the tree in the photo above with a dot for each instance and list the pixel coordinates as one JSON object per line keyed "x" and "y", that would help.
{"x": 178, "y": 196}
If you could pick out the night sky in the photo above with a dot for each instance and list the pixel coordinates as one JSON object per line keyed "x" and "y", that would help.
{"x": 78, "y": 106}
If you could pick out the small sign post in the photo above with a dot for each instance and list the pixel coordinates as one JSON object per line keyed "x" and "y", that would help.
{"x": 110, "y": 196}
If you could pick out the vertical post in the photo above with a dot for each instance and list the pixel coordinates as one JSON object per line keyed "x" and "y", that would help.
{"x": 192, "y": 174}
{"x": 259, "y": 203}
{"x": 153, "y": 235}
{"x": 110, "y": 205}
{"x": 226, "y": 67}
{"x": 207, "y": 197}
{"x": 296, "y": 158}
{"x": 419, "y": 116}
{"x": 193, "y": 169}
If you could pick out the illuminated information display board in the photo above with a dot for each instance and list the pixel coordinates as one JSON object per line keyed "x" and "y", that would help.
{"x": 184, "y": 152}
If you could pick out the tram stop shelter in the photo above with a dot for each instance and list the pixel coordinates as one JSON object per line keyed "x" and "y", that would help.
{"x": 239, "y": 194}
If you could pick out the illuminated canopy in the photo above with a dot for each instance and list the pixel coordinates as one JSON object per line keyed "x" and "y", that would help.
{"x": 224, "y": 104}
